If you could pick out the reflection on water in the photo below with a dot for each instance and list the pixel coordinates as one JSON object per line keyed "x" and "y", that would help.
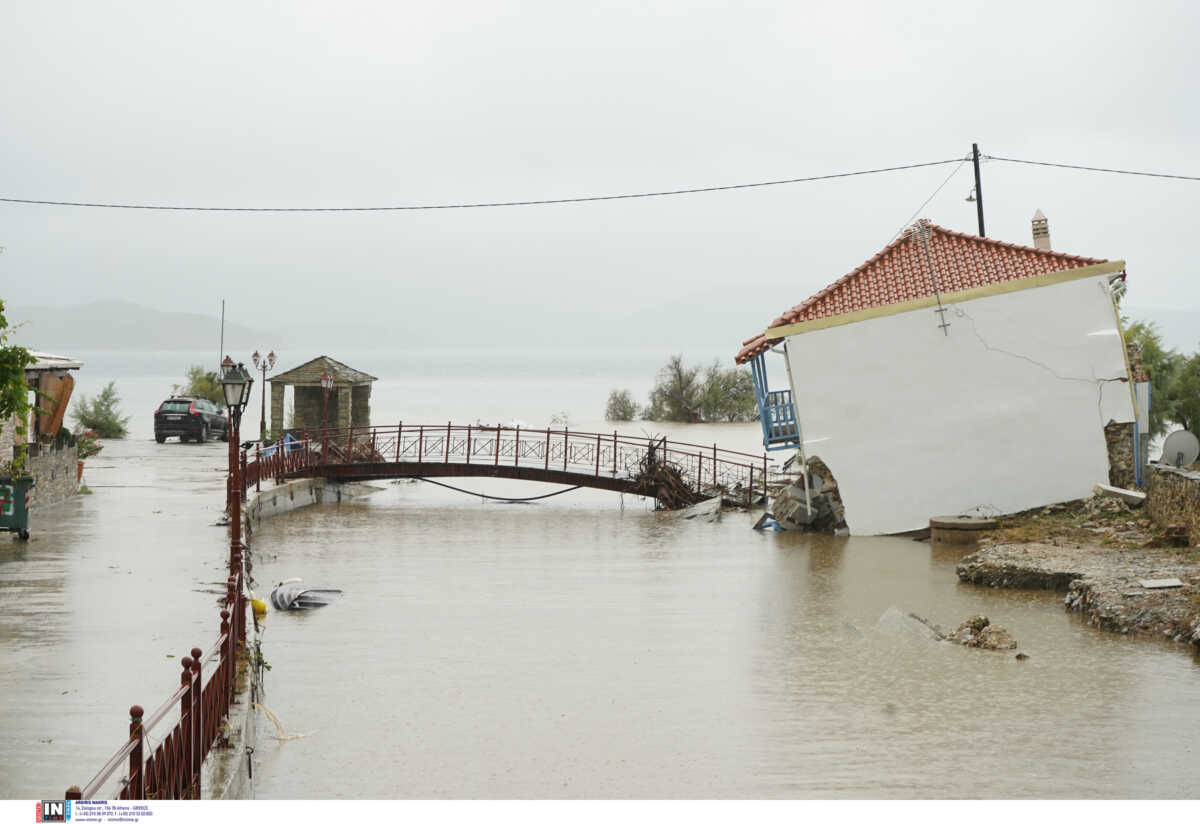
{"x": 574, "y": 650}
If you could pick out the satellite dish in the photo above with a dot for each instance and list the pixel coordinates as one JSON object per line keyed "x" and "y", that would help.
{"x": 1180, "y": 449}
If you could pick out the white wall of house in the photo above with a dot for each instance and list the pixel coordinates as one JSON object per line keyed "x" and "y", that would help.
{"x": 1004, "y": 413}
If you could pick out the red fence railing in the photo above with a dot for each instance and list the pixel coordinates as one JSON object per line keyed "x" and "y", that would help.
{"x": 586, "y": 454}
{"x": 170, "y": 769}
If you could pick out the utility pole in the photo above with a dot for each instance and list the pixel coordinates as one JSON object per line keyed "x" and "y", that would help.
{"x": 978, "y": 189}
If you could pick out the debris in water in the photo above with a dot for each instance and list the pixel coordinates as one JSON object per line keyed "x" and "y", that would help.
{"x": 292, "y": 594}
{"x": 282, "y": 736}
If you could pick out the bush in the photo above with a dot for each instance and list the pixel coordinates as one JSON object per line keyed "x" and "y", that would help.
{"x": 14, "y": 394}
{"x": 621, "y": 406}
{"x": 201, "y": 384}
{"x": 101, "y": 414}
{"x": 87, "y": 443}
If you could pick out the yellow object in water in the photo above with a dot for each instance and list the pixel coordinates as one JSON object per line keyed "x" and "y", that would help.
{"x": 259, "y": 606}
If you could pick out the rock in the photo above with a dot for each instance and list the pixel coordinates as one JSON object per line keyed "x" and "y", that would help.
{"x": 969, "y": 629}
{"x": 994, "y": 637}
{"x": 1022, "y": 656}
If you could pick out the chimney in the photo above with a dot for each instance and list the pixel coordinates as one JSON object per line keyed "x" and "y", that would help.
{"x": 1041, "y": 231}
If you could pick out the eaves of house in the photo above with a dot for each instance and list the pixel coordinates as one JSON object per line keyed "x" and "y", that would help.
{"x": 914, "y": 272}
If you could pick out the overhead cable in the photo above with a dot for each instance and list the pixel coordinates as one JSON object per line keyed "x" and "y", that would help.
{"x": 1090, "y": 168}
{"x": 483, "y": 205}
{"x": 920, "y": 208}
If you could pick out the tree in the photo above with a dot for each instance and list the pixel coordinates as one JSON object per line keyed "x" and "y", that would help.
{"x": 201, "y": 384}
{"x": 101, "y": 414}
{"x": 683, "y": 394}
{"x": 676, "y": 393}
{"x": 1185, "y": 393}
{"x": 621, "y": 406}
{"x": 1163, "y": 365}
{"x": 14, "y": 391}
{"x": 728, "y": 395}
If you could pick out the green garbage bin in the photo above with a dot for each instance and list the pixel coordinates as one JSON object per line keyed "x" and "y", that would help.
{"x": 14, "y": 505}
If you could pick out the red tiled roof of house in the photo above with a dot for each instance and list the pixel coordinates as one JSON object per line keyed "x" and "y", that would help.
{"x": 900, "y": 273}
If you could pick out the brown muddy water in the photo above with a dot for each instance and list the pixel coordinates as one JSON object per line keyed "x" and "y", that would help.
{"x": 570, "y": 649}
{"x": 573, "y": 648}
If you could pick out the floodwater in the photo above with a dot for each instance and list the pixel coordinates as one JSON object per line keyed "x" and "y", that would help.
{"x": 571, "y": 650}
{"x": 578, "y": 647}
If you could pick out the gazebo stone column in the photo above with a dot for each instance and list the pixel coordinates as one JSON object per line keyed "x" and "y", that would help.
{"x": 276, "y": 410}
{"x": 360, "y": 413}
{"x": 344, "y": 405}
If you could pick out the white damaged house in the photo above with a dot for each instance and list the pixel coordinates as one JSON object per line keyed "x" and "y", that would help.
{"x": 952, "y": 375}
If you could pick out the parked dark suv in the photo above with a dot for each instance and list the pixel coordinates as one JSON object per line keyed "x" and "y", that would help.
{"x": 193, "y": 418}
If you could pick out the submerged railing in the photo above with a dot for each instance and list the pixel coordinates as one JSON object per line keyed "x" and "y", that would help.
{"x": 581, "y": 454}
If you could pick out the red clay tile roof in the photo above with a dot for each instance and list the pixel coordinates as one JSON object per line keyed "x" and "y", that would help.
{"x": 899, "y": 273}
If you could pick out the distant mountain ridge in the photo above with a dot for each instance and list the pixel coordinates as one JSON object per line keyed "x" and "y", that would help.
{"x": 109, "y": 325}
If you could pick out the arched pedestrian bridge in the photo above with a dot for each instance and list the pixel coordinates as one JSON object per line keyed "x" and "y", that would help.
{"x": 674, "y": 473}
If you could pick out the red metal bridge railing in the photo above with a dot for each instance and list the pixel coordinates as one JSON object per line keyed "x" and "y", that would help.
{"x": 170, "y": 769}
{"x": 707, "y": 469}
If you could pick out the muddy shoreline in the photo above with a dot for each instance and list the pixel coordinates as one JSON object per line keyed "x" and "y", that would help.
{"x": 1102, "y": 583}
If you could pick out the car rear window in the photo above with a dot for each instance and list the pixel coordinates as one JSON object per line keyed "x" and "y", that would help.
{"x": 176, "y": 406}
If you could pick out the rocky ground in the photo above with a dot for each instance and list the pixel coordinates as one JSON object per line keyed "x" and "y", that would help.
{"x": 1097, "y": 552}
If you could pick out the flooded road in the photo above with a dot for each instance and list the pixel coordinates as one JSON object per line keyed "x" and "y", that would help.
{"x": 569, "y": 649}
{"x": 572, "y": 648}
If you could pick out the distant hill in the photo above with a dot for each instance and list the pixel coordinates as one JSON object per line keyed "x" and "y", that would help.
{"x": 108, "y": 325}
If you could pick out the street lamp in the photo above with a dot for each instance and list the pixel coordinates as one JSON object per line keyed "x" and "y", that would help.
{"x": 326, "y": 385}
{"x": 235, "y": 386}
{"x": 263, "y": 365}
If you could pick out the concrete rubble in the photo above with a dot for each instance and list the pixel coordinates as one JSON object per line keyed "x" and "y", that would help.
{"x": 1102, "y": 583}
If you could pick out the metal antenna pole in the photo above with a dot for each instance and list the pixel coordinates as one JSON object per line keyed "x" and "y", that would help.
{"x": 920, "y": 231}
{"x": 221, "y": 354}
{"x": 978, "y": 189}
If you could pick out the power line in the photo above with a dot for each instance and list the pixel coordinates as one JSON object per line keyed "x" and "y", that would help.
{"x": 485, "y": 205}
{"x": 912, "y": 217}
{"x": 1090, "y": 168}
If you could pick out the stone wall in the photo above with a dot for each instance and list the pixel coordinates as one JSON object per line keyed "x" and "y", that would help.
{"x": 1120, "y": 454}
{"x": 8, "y": 439}
{"x": 309, "y": 404}
{"x": 1173, "y": 497}
{"x": 54, "y": 468}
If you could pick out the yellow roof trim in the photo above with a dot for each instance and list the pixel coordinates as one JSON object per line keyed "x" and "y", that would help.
{"x": 992, "y": 289}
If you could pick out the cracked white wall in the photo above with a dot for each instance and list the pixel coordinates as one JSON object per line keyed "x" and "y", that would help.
{"x": 1004, "y": 413}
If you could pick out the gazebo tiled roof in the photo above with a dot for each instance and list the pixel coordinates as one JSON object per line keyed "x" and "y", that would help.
{"x": 900, "y": 273}
{"x": 309, "y": 374}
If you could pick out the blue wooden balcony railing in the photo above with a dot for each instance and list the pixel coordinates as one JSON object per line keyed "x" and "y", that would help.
{"x": 776, "y": 412}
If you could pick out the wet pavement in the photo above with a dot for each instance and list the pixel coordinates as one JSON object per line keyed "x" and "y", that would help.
{"x": 102, "y": 602}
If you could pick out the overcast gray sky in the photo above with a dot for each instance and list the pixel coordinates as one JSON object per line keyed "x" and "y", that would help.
{"x": 352, "y": 104}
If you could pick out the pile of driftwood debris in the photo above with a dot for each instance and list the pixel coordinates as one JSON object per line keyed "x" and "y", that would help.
{"x": 663, "y": 481}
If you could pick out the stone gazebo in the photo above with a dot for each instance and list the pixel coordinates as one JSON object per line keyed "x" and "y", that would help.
{"x": 349, "y": 400}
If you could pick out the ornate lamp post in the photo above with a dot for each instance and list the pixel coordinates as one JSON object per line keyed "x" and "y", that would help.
{"x": 263, "y": 365}
{"x": 236, "y": 384}
{"x": 326, "y": 386}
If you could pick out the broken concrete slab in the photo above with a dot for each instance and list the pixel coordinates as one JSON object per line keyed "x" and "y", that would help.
{"x": 1160, "y": 583}
{"x": 1129, "y": 496}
